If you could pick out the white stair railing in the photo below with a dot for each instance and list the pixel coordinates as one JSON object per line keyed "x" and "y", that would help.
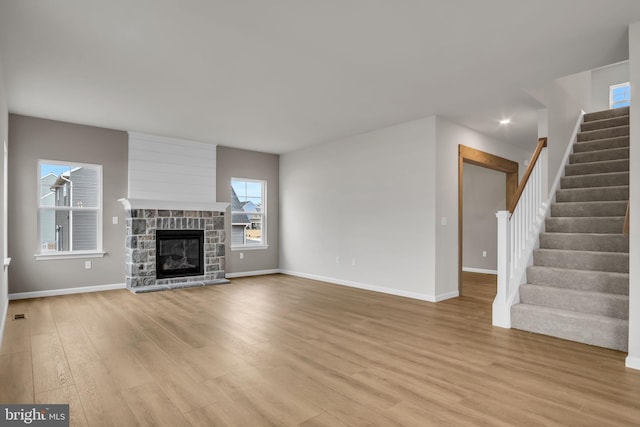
{"x": 518, "y": 234}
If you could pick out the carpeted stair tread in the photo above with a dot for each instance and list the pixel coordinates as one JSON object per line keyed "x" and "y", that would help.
{"x": 593, "y": 194}
{"x": 616, "y": 262}
{"x": 589, "y": 209}
{"x": 605, "y": 123}
{"x": 598, "y": 242}
{"x": 595, "y": 180}
{"x": 599, "y": 303}
{"x": 605, "y": 166}
{"x": 603, "y": 133}
{"x": 578, "y": 285}
{"x": 593, "y": 281}
{"x": 601, "y": 144}
{"x": 599, "y": 155}
{"x": 586, "y": 224}
{"x": 602, "y": 331}
{"x": 605, "y": 114}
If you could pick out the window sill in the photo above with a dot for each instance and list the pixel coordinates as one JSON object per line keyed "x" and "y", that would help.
{"x": 69, "y": 255}
{"x": 249, "y": 248}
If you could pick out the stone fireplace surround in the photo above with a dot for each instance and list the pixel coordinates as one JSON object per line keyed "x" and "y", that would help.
{"x": 140, "y": 247}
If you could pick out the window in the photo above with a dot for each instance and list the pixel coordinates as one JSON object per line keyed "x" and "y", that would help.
{"x": 619, "y": 95}
{"x": 248, "y": 211}
{"x": 69, "y": 210}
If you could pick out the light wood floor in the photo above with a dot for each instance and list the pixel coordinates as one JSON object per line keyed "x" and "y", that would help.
{"x": 284, "y": 351}
{"x": 479, "y": 286}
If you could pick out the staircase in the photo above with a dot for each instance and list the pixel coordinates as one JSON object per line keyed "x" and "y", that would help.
{"x": 578, "y": 286}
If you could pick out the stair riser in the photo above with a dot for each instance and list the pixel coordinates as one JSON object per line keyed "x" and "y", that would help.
{"x": 620, "y": 193}
{"x": 592, "y": 281}
{"x": 603, "y": 133}
{"x": 594, "y": 261}
{"x": 599, "y": 180}
{"x": 612, "y": 335}
{"x": 601, "y": 144}
{"x": 604, "y": 123}
{"x": 600, "y": 155}
{"x": 589, "y": 209}
{"x": 597, "y": 167}
{"x": 584, "y": 225}
{"x": 585, "y": 242}
{"x": 606, "y": 114}
{"x": 568, "y": 299}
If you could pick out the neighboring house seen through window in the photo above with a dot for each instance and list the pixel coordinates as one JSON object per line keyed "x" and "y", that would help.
{"x": 248, "y": 213}
{"x": 69, "y": 209}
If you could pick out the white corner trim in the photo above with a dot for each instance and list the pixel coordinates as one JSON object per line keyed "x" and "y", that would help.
{"x": 252, "y": 273}
{"x": 632, "y": 362}
{"x": 447, "y": 296}
{"x": 66, "y": 291}
{"x": 390, "y": 291}
{"x": 479, "y": 270}
{"x": 3, "y": 321}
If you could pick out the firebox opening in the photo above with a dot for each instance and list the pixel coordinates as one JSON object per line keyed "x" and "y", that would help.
{"x": 179, "y": 253}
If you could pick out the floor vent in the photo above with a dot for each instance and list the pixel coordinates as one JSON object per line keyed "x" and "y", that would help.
{"x": 19, "y": 316}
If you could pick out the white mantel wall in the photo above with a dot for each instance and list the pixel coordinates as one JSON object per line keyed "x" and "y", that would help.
{"x": 173, "y": 170}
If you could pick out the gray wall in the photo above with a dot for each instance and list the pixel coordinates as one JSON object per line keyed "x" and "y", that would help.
{"x": 604, "y": 77}
{"x": 232, "y": 162}
{"x": 484, "y": 192}
{"x": 31, "y": 139}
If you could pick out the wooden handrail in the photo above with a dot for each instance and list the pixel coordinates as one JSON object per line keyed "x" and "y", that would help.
{"x": 625, "y": 228}
{"x": 542, "y": 142}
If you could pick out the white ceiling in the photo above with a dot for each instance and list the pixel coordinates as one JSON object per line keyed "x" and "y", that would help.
{"x": 279, "y": 75}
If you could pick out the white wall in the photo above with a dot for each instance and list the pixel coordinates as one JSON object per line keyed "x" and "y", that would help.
{"x": 449, "y": 135}
{"x": 370, "y": 198}
{"x": 4, "y": 119}
{"x": 633, "y": 359}
{"x": 562, "y": 113}
{"x": 602, "y": 78}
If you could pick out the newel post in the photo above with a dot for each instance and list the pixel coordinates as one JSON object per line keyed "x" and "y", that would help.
{"x": 501, "y": 309}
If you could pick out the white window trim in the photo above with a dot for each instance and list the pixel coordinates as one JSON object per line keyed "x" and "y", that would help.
{"x": 45, "y": 256}
{"x": 98, "y": 252}
{"x": 264, "y": 244}
{"x": 614, "y": 87}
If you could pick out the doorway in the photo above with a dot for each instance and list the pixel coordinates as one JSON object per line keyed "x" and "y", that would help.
{"x": 472, "y": 156}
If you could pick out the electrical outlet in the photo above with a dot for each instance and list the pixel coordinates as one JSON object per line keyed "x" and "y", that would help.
{"x": 241, "y": 255}
{"x": 114, "y": 220}
{"x": 337, "y": 260}
{"x": 87, "y": 265}
{"x": 443, "y": 220}
{"x": 353, "y": 261}
{"x": 484, "y": 254}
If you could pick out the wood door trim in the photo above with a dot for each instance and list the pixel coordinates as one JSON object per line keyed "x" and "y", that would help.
{"x": 490, "y": 161}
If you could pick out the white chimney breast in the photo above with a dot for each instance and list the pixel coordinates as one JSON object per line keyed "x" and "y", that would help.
{"x": 171, "y": 171}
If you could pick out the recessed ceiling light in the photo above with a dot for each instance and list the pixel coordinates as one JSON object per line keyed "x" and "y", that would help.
{"x": 505, "y": 121}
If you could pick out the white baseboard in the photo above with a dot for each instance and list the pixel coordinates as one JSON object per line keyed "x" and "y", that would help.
{"x": 3, "y": 321}
{"x": 479, "y": 270}
{"x": 632, "y": 362}
{"x": 252, "y": 273}
{"x": 66, "y": 291}
{"x": 390, "y": 291}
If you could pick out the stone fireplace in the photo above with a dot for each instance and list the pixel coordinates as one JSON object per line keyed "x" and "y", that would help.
{"x": 179, "y": 231}
{"x": 175, "y": 227}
